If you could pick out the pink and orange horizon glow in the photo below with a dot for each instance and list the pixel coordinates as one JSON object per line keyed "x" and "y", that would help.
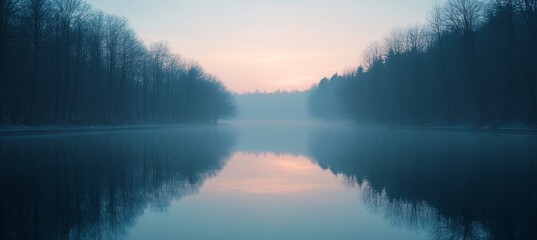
{"x": 268, "y": 45}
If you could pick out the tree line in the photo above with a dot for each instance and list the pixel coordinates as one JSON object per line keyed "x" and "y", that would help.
{"x": 63, "y": 62}
{"x": 474, "y": 63}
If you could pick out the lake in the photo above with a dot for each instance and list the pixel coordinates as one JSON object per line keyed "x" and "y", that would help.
{"x": 272, "y": 180}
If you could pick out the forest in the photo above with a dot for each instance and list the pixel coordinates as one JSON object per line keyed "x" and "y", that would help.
{"x": 473, "y": 64}
{"x": 62, "y": 62}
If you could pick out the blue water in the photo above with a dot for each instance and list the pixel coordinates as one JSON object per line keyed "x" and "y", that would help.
{"x": 269, "y": 181}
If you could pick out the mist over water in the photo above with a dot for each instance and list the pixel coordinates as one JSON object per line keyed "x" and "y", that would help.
{"x": 269, "y": 181}
{"x": 272, "y": 107}
{"x": 105, "y": 135}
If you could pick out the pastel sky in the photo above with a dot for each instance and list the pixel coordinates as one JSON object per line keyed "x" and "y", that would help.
{"x": 268, "y": 44}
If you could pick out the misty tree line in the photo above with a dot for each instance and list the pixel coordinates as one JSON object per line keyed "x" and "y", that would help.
{"x": 63, "y": 62}
{"x": 474, "y": 63}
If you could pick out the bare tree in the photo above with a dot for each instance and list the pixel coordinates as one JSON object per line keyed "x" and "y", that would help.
{"x": 395, "y": 46}
{"x": 159, "y": 56}
{"x": 529, "y": 11}
{"x": 80, "y": 26}
{"x": 373, "y": 54}
{"x": 416, "y": 39}
{"x": 68, "y": 13}
{"x": 465, "y": 16}
{"x": 7, "y": 13}
{"x": 437, "y": 27}
{"x": 114, "y": 28}
{"x": 416, "y": 46}
{"x": 95, "y": 55}
{"x": 131, "y": 48}
{"x": 437, "y": 21}
{"x": 394, "y": 42}
{"x": 37, "y": 10}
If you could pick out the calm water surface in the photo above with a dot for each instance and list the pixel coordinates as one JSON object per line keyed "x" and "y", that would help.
{"x": 269, "y": 181}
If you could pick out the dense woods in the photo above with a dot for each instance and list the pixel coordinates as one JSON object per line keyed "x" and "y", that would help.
{"x": 473, "y": 64}
{"x": 63, "y": 62}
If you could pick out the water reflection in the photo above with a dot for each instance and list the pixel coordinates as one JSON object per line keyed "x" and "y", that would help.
{"x": 94, "y": 186}
{"x": 269, "y": 173}
{"x": 455, "y": 185}
{"x": 278, "y": 181}
{"x": 280, "y": 137}
{"x": 269, "y": 196}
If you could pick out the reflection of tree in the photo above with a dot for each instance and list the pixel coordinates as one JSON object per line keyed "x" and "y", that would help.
{"x": 457, "y": 185}
{"x": 94, "y": 186}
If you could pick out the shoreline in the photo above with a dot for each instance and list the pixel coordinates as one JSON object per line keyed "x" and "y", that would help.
{"x": 27, "y": 130}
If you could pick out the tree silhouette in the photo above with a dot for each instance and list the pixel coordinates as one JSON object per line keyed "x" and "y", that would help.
{"x": 62, "y": 62}
{"x": 472, "y": 65}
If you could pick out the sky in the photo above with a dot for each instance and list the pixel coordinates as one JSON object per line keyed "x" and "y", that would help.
{"x": 268, "y": 45}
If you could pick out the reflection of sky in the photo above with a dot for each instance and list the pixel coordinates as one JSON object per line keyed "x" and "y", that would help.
{"x": 268, "y": 44}
{"x": 269, "y": 174}
{"x": 270, "y": 196}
